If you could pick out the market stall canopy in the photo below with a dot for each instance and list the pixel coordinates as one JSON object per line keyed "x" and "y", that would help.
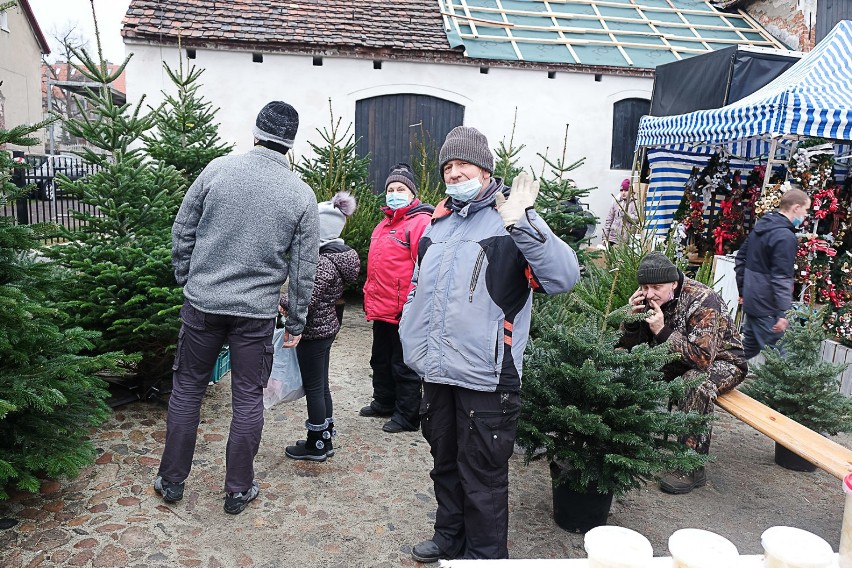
{"x": 813, "y": 98}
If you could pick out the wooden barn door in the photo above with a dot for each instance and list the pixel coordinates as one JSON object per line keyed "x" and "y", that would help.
{"x": 389, "y": 128}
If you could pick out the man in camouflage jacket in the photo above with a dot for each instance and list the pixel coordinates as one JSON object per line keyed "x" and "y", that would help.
{"x": 693, "y": 320}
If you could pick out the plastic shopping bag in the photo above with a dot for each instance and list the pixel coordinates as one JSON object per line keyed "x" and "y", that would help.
{"x": 285, "y": 381}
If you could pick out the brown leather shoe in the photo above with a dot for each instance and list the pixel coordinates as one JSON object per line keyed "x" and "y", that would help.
{"x": 680, "y": 483}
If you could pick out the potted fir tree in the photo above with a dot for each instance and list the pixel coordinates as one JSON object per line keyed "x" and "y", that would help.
{"x": 795, "y": 381}
{"x": 596, "y": 413}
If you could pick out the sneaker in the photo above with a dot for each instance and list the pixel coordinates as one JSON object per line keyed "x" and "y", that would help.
{"x": 235, "y": 503}
{"x": 170, "y": 491}
{"x": 680, "y": 483}
{"x": 426, "y": 552}
{"x": 370, "y": 412}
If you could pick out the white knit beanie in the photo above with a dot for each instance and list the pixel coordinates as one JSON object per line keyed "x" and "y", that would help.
{"x": 333, "y": 215}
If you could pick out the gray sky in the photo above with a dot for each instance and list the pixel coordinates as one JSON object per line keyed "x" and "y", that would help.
{"x": 55, "y": 16}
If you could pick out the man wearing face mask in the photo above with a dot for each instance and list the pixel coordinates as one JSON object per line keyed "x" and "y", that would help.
{"x": 693, "y": 320}
{"x": 764, "y": 267}
{"x": 390, "y": 262}
{"x": 464, "y": 329}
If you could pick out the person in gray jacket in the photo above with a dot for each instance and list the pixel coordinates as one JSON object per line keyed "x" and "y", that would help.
{"x": 245, "y": 225}
{"x": 464, "y": 328}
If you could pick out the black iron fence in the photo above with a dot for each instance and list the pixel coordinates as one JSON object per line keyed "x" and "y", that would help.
{"x": 46, "y": 202}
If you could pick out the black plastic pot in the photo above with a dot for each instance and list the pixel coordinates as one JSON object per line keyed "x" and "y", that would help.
{"x": 790, "y": 460}
{"x": 578, "y": 512}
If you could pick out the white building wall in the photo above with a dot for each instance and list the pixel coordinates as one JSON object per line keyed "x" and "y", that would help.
{"x": 240, "y": 88}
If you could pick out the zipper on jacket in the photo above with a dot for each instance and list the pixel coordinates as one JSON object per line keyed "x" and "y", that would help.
{"x": 477, "y": 267}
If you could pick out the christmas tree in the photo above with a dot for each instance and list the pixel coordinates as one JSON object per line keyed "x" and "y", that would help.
{"x": 187, "y": 134}
{"x": 50, "y": 395}
{"x": 559, "y": 202}
{"x": 335, "y": 167}
{"x": 795, "y": 381}
{"x": 117, "y": 267}
{"x": 506, "y": 167}
{"x": 596, "y": 410}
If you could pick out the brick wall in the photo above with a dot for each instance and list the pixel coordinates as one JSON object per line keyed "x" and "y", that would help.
{"x": 792, "y": 22}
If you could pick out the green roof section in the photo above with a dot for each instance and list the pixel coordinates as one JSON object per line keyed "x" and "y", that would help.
{"x": 613, "y": 33}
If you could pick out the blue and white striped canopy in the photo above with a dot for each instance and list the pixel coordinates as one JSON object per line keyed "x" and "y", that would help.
{"x": 812, "y": 98}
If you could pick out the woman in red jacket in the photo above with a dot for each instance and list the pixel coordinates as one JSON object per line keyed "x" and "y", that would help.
{"x": 390, "y": 262}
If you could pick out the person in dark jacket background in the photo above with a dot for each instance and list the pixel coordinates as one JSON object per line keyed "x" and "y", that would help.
{"x": 390, "y": 262}
{"x": 764, "y": 267}
{"x": 338, "y": 265}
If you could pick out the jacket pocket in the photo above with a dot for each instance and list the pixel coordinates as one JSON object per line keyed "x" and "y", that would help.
{"x": 477, "y": 268}
{"x": 493, "y": 434}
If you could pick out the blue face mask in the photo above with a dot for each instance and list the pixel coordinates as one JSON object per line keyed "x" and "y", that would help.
{"x": 395, "y": 200}
{"x": 797, "y": 222}
{"x": 464, "y": 191}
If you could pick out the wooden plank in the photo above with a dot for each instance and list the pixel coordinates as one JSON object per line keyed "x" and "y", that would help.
{"x": 817, "y": 449}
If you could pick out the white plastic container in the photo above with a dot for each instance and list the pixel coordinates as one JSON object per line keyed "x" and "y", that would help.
{"x": 846, "y": 529}
{"x": 788, "y": 547}
{"x": 696, "y": 548}
{"x": 617, "y": 547}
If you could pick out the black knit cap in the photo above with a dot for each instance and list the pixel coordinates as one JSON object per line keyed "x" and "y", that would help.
{"x": 656, "y": 268}
{"x": 403, "y": 174}
{"x": 277, "y": 122}
{"x": 466, "y": 144}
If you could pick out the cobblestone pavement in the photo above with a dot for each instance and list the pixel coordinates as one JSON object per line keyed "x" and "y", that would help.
{"x": 368, "y": 504}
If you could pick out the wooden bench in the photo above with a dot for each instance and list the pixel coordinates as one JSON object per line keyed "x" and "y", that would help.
{"x": 817, "y": 449}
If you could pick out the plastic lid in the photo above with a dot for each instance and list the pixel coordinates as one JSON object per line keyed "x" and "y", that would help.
{"x": 847, "y": 483}
{"x": 698, "y": 548}
{"x": 797, "y": 547}
{"x": 618, "y": 546}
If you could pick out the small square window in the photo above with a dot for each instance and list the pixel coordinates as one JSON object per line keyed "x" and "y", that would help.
{"x": 317, "y": 61}
{"x": 257, "y": 57}
{"x": 377, "y": 64}
{"x": 190, "y": 53}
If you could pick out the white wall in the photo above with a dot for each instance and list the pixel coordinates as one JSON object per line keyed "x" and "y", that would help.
{"x": 241, "y": 88}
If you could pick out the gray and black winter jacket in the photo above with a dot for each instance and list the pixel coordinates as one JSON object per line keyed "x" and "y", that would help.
{"x": 466, "y": 322}
{"x": 245, "y": 225}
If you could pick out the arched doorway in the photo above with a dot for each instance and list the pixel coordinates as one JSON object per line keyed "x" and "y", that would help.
{"x": 390, "y": 127}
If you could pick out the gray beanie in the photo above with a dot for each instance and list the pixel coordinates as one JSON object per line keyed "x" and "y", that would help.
{"x": 402, "y": 173}
{"x": 656, "y": 268}
{"x": 333, "y": 214}
{"x": 467, "y": 144}
{"x": 277, "y": 122}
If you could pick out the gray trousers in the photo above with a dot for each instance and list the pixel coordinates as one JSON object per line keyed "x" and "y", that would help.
{"x": 201, "y": 338}
{"x": 757, "y": 334}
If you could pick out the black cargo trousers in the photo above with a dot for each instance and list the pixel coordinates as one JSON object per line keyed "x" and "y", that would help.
{"x": 472, "y": 436}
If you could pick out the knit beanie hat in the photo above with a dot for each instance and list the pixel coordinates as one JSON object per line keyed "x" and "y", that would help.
{"x": 402, "y": 173}
{"x": 277, "y": 122}
{"x": 625, "y": 184}
{"x": 467, "y": 144}
{"x": 333, "y": 214}
{"x": 656, "y": 268}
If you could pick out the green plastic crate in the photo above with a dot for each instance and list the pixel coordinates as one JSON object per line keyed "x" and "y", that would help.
{"x": 223, "y": 365}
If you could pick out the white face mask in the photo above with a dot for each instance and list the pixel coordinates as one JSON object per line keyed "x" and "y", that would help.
{"x": 395, "y": 200}
{"x": 464, "y": 191}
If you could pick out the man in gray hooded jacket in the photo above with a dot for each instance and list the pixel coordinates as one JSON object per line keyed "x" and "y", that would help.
{"x": 464, "y": 329}
{"x": 245, "y": 225}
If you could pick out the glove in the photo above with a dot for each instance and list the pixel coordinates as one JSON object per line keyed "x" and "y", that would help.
{"x": 522, "y": 197}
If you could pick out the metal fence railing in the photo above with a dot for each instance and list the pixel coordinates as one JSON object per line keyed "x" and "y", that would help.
{"x": 47, "y": 203}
